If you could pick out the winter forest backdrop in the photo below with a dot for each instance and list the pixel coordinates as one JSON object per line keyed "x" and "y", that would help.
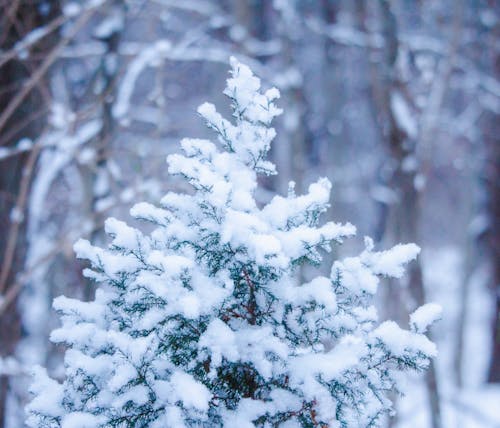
{"x": 396, "y": 102}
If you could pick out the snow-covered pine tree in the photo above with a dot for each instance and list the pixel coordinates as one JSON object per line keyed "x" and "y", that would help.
{"x": 202, "y": 322}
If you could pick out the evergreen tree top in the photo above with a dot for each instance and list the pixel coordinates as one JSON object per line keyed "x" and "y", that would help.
{"x": 202, "y": 322}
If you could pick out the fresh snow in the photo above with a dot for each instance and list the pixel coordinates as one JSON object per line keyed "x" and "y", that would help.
{"x": 204, "y": 321}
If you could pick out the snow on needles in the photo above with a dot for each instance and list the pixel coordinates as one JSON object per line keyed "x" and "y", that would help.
{"x": 201, "y": 321}
{"x": 425, "y": 316}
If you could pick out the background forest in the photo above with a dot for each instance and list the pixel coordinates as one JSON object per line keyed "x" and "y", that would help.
{"x": 396, "y": 102}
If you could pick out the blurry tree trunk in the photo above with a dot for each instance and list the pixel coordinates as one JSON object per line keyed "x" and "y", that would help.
{"x": 428, "y": 129}
{"x": 492, "y": 176}
{"x": 96, "y": 176}
{"x": 17, "y": 19}
{"x": 402, "y": 221}
{"x": 329, "y": 146}
{"x": 469, "y": 261}
{"x": 492, "y": 139}
{"x": 253, "y": 16}
{"x": 288, "y": 152}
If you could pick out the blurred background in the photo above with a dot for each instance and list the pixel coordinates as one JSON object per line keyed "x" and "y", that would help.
{"x": 396, "y": 102}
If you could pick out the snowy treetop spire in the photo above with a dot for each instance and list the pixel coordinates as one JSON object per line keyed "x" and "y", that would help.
{"x": 251, "y": 136}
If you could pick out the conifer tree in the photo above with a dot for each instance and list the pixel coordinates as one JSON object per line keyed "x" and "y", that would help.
{"x": 202, "y": 322}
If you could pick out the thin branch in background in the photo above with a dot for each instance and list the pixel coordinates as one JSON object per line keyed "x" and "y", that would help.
{"x": 17, "y": 217}
{"x": 43, "y": 68}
